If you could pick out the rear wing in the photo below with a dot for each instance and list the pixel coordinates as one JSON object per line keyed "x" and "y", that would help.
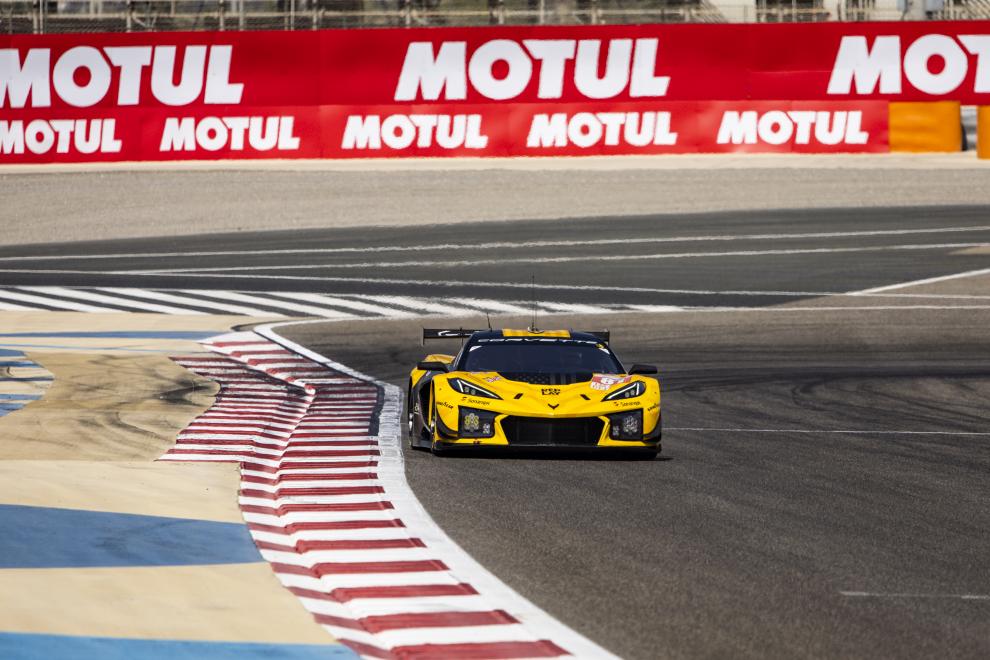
{"x": 462, "y": 333}
{"x": 437, "y": 333}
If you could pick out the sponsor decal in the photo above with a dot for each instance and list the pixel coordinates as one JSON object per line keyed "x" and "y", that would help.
{"x": 472, "y": 422}
{"x": 550, "y": 391}
{"x": 502, "y": 91}
{"x": 444, "y": 404}
{"x": 364, "y": 132}
{"x": 493, "y": 379}
{"x": 502, "y": 69}
{"x": 933, "y": 64}
{"x": 588, "y": 129}
{"x": 778, "y": 127}
{"x": 606, "y": 381}
{"x": 60, "y": 136}
{"x": 84, "y": 76}
{"x": 229, "y": 134}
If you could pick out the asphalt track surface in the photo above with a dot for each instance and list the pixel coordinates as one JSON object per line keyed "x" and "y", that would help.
{"x": 727, "y": 258}
{"x": 198, "y": 198}
{"x": 824, "y": 490}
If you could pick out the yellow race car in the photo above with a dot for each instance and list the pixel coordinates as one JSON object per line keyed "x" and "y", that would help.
{"x": 532, "y": 389}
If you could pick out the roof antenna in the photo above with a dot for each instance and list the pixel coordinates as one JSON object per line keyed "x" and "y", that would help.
{"x": 489, "y": 317}
{"x": 532, "y": 328}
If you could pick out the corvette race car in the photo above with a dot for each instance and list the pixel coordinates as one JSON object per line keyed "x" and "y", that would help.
{"x": 532, "y": 389}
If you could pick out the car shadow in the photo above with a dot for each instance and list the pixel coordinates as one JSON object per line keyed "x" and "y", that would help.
{"x": 551, "y": 455}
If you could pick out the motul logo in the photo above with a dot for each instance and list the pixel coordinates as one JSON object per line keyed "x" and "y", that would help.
{"x": 502, "y": 69}
{"x": 935, "y": 64}
{"x": 777, "y": 127}
{"x": 233, "y": 133}
{"x": 402, "y": 131}
{"x": 587, "y": 129}
{"x": 41, "y": 136}
{"x": 83, "y": 76}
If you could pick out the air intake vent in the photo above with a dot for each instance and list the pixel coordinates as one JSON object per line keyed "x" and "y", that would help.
{"x": 541, "y": 431}
{"x": 546, "y": 379}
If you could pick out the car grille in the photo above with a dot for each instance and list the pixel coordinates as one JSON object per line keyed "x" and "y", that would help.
{"x": 540, "y": 431}
{"x": 546, "y": 379}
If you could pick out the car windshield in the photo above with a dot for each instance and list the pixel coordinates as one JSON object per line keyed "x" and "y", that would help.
{"x": 540, "y": 356}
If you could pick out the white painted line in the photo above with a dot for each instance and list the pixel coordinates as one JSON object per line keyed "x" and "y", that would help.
{"x": 451, "y": 263}
{"x": 930, "y": 280}
{"x": 449, "y": 635}
{"x": 385, "y": 606}
{"x": 817, "y": 431}
{"x": 505, "y": 245}
{"x": 337, "y": 301}
{"x": 188, "y": 300}
{"x": 311, "y": 483}
{"x": 60, "y": 304}
{"x": 573, "y": 308}
{"x": 654, "y": 309}
{"x": 350, "y": 556}
{"x": 373, "y": 534}
{"x": 273, "y": 302}
{"x": 870, "y": 594}
{"x": 421, "y": 305}
{"x": 452, "y": 283}
{"x": 491, "y": 305}
{"x": 112, "y": 300}
{"x": 833, "y": 308}
{"x": 369, "y": 579}
{"x": 11, "y": 306}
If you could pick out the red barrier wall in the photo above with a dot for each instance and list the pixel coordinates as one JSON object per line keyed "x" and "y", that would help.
{"x": 520, "y": 91}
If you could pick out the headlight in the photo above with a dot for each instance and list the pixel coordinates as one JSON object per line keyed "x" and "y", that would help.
{"x": 471, "y": 389}
{"x": 474, "y": 423}
{"x": 626, "y": 425}
{"x": 630, "y": 391}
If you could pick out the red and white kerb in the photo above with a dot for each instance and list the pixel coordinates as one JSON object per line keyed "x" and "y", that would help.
{"x": 324, "y": 494}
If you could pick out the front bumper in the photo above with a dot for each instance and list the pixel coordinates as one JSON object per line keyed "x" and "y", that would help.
{"x": 550, "y": 433}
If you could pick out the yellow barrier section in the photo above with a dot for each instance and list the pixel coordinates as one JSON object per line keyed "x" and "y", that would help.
{"x": 983, "y": 131}
{"x": 921, "y": 127}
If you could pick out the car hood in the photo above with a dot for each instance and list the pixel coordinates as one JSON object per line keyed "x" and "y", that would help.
{"x": 554, "y": 390}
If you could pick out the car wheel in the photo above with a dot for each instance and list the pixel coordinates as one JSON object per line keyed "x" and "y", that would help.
{"x": 417, "y": 436}
{"x": 437, "y": 448}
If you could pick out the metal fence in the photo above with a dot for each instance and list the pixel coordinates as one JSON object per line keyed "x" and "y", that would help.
{"x": 64, "y": 16}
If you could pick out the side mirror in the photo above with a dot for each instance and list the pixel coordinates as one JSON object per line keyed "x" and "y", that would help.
{"x": 642, "y": 369}
{"x": 433, "y": 366}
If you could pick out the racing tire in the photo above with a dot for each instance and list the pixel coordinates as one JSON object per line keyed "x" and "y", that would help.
{"x": 416, "y": 436}
{"x": 437, "y": 448}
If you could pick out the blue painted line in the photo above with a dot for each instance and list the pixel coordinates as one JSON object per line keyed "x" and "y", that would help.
{"x": 93, "y": 348}
{"x": 6, "y": 352}
{"x": 24, "y": 646}
{"x": 121, "y": 334}
{"x": 42, "y": 537}
{"x": 10, "y": 407}
{"x": 18, "y": 363}
{"x": 20, "y": 397}
{"x": 25, "y": 379}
